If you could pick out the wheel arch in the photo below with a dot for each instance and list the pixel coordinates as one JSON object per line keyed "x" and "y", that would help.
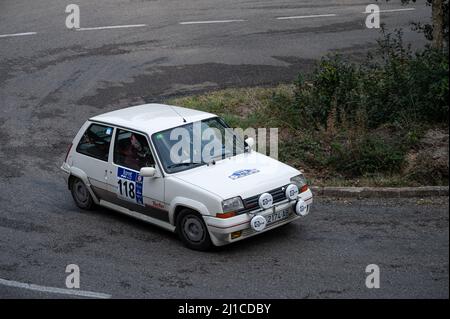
{"x": 78, "y": 173}
{"x": 180, "y": 203}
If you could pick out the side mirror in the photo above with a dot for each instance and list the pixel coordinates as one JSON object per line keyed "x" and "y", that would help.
{"x": 250, "y": 143}
{"x": 147, "y": 172}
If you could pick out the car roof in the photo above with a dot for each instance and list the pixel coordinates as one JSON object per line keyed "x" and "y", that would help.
{"x": 151, "y": 118}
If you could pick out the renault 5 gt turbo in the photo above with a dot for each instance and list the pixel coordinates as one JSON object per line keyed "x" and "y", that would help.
{"x": 146, "y": 162}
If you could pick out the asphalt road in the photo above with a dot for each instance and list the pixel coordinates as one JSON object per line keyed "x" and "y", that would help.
{"x": 322, "y": 256}
{"x": 53, "y": 79}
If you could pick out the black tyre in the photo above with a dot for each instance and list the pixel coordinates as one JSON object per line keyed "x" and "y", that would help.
{"x": 192, "y": 230}
{"x": 81, "y": 194}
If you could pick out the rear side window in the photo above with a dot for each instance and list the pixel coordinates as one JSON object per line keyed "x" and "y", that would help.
{"x": 95, "y": 142}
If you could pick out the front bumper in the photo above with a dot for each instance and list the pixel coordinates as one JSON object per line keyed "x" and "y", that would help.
{"x": 220, "y": 230}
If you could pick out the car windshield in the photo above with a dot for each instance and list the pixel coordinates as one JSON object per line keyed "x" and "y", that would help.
{"x": 195, "y": 144}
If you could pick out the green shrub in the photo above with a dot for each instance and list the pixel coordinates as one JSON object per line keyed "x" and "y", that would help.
{"x": 392, "y": 85}
{"x": 303, "y": 149}
{"x": 367, "y": 155}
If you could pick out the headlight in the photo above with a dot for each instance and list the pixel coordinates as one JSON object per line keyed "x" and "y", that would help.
{"x": 232, "y": 204}
{"x": 301, "y": 183}
{"x": 292, "y": 191}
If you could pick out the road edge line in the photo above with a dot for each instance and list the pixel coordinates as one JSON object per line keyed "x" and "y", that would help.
{"x": 380, "y": 192}
{"x": 45, "y": 289}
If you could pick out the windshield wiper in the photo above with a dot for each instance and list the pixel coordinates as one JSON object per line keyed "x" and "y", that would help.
{"x": 222, "y": 156}
{"x": 184, "y": 164}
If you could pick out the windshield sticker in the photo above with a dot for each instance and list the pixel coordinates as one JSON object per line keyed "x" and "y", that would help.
{"x": 243, "y": 173}
{"x": 129, "y": 185}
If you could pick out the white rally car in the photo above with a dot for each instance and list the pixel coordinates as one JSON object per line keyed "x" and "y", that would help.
{"x": 130, "y": 160}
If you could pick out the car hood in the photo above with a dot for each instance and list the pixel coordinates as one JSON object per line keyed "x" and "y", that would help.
{"x": 243, "y": 175}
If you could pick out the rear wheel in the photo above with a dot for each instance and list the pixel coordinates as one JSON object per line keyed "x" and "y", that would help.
{"x": 192, "y": 230}
{"x": 81, "y": 195}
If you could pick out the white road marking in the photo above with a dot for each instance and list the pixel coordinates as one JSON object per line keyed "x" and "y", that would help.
{"x": 392, "y": 10}
{"x": 306, "y": 17}
{"x": 54, "y": 290}
{"x": 211, "y": 21}
{"x": 113, "y": 27}
{"x": 17, "y": 34}
{"x": 205, "y": 22}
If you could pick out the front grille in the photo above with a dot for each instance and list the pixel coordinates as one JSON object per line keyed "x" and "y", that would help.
{"x": 251, "y": 203}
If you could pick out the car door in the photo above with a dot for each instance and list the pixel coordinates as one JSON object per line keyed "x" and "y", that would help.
{"x": 131, "y": 152}
{"x": 92, "y": 157}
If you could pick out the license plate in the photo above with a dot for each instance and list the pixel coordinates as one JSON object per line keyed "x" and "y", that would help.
{"x": 274, "y": 217}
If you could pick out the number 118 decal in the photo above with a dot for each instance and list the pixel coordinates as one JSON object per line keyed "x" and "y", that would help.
{"x": 129, "y": 185}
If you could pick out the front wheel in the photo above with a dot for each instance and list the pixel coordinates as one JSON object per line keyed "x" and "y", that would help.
{"x": 192, "y": 230}
{"x": 81, "y": 195}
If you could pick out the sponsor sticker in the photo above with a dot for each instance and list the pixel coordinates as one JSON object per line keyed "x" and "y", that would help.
{"x": 242, "y": 173}
{"x": 130, "y": 185}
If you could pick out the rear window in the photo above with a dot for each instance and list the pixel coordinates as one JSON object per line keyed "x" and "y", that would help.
{"x": 95, "y": 142}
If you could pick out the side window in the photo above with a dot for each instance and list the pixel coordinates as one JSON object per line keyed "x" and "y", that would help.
{"x": 95, "y": 142}
{"x": 131, "y": 150}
